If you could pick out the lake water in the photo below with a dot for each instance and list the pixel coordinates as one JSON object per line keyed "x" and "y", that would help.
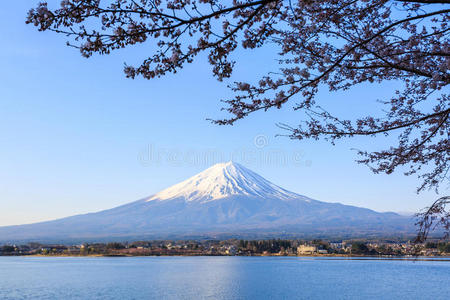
{"x": 221, "y": 278}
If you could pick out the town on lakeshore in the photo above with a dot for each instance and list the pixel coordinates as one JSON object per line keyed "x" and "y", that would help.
{"x": 235, "y": 247}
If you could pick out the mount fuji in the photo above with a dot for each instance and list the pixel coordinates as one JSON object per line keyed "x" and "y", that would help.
{"x": 226, "y": 200}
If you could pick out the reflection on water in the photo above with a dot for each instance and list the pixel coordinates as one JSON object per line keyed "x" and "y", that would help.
{"x": 222, "y": 278}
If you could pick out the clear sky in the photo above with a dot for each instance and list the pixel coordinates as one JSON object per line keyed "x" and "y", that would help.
{"x": 77, "y": 136}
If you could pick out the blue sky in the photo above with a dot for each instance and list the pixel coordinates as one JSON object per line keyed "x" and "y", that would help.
{"x": 76, "y": 135}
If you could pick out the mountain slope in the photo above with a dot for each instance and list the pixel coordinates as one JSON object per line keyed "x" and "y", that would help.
{"x": 221, "y": 181}
{"x": 224, "y": 199}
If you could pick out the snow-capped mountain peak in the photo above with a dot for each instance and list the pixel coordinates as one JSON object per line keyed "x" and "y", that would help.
{"x": 224, "y": 199}
{"x": 224, "y": 180}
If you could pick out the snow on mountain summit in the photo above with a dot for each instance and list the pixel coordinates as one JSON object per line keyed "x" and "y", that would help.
{"x": 224, "y": 180}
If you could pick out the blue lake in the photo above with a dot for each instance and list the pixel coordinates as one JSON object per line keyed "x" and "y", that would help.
{"x": 221, "y": 278}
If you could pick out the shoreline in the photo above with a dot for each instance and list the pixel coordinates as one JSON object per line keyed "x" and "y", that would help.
{"x": 324, "y": 257}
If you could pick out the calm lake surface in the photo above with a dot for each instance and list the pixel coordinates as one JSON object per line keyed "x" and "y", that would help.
{"x": 221, "y": 278}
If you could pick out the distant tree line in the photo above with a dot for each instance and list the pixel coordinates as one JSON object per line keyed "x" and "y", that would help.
{"x": 271, "y": 246}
